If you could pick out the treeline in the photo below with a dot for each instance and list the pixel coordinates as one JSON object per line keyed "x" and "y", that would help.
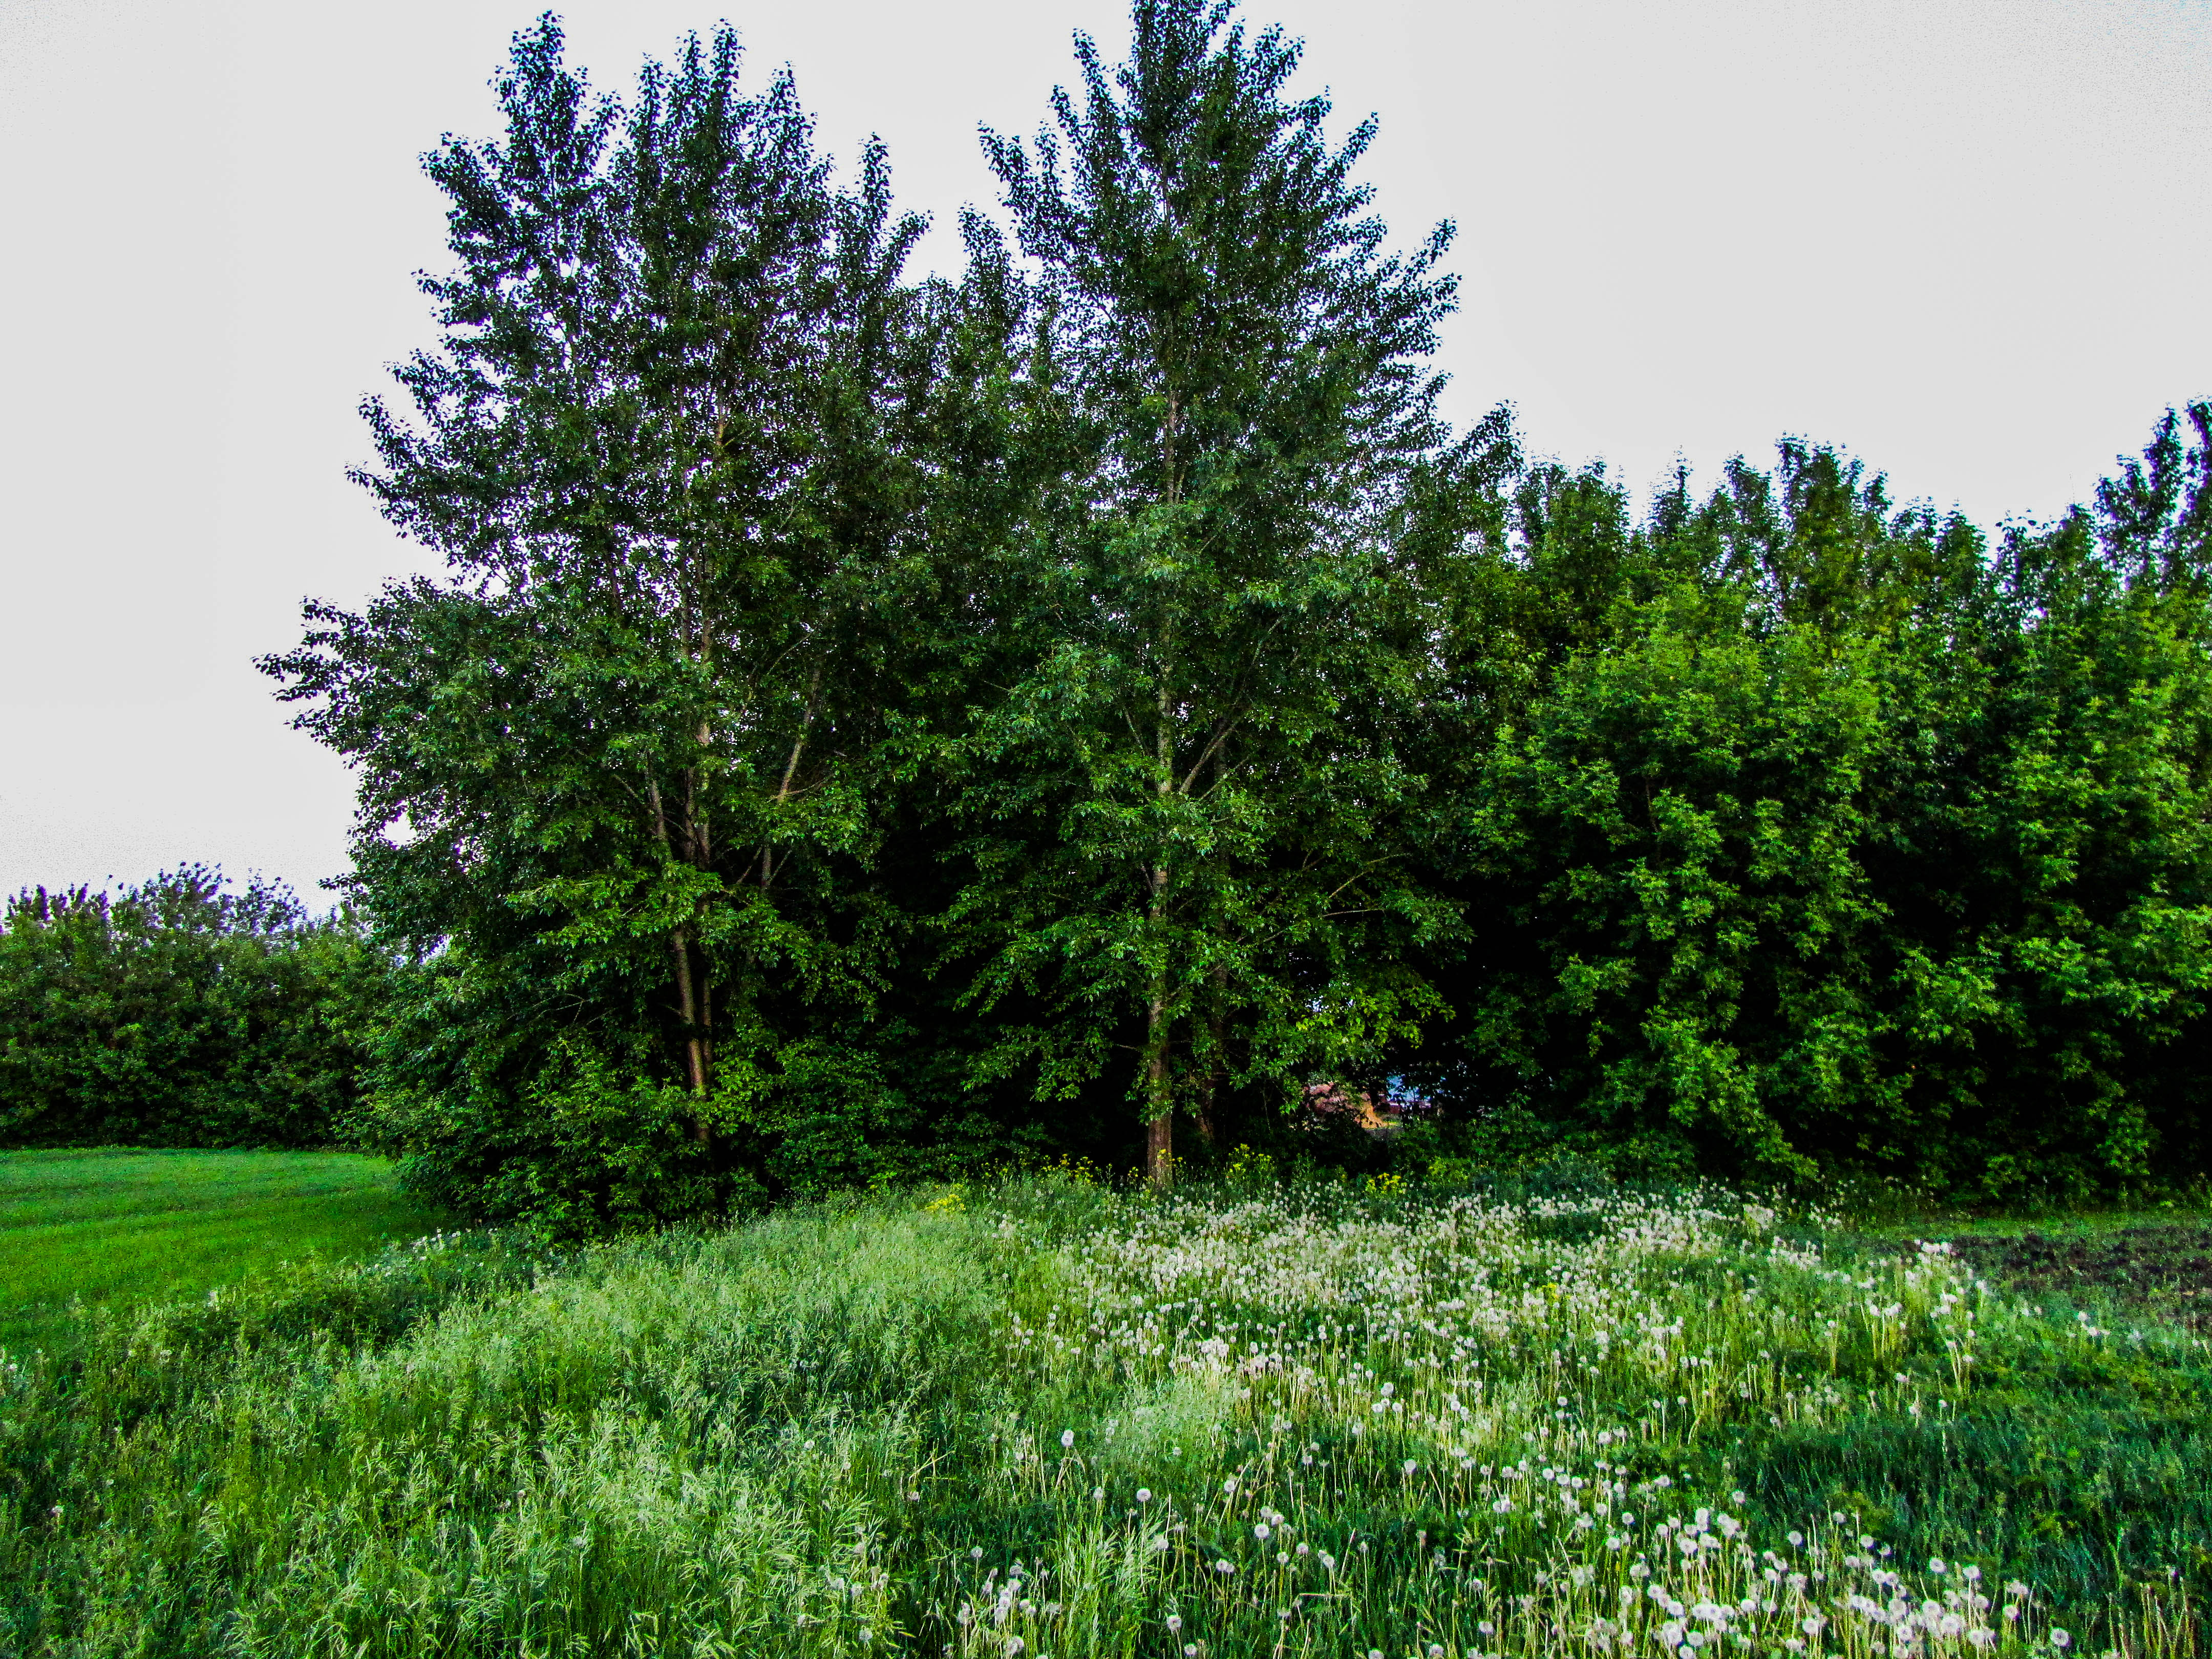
{"x": 1817, "y": 835}
{"x": 177, "y": 1013}
{"x": 874, "y": 727}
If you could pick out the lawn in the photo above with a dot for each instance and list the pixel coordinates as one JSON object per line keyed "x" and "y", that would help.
{"x": 129, "y": 1223}
{"x": 1053, "y": 1420}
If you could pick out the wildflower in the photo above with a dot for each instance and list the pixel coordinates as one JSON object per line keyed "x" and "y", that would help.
{"x": 1224, "y": 1567}
{"x": 2061, "y": 1639}
{"x": 1144, "y": 1496}
{"x": 1175, "y": 1623}
{"x": 1067, "y": 1439}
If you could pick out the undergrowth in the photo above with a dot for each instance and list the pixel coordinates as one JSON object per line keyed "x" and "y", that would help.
{"x": 1051, "y": 1418}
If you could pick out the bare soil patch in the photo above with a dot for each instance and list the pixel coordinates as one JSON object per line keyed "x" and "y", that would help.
{"x": 2163, "y": 1271}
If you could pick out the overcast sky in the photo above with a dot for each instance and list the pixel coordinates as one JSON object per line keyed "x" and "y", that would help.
{"x": 1969, "y": 239}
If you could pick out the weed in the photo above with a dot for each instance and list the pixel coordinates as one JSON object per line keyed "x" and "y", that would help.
{"x": 1059, "y": 1418}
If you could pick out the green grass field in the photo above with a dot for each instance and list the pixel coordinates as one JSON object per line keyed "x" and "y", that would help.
{"x": 128, "y": 1222}
{"x": 1046, "y": 1419}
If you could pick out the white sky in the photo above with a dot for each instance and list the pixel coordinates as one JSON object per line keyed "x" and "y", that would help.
{"x": 1960, "y": 236}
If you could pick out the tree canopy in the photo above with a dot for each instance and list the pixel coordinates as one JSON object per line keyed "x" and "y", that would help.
{"x": 869, "y": 725}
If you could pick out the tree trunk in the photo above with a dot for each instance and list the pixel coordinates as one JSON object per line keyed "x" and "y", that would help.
{"x": 1209, "y": 1087}
{"x": 1160, "y": 1100}
{"x": 1159, "y": 1103}
{"x": 688, "y": 1007}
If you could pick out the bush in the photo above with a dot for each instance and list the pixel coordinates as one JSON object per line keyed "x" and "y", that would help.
{"x": 176, "y": 1014}
{"x": 1829, "y": 845}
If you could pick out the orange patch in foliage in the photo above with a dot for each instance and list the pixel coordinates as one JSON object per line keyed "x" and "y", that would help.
{"x": 1360, "y": 1105}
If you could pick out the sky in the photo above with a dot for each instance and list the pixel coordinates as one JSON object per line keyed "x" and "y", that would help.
{"x": 1960, "y": 237}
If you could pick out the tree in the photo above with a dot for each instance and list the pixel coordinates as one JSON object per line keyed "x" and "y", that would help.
{"x": 1181, "y": 816}
{"x": 1804, "y": 836}
{"x": 610, "y": 765}
{"x": 176, "y": 1012}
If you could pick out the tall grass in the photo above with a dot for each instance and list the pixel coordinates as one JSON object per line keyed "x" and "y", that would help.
{"x": 1051, "y": 1419}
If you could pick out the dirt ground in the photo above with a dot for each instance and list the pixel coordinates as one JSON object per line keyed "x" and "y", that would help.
{"x": 2165, "y": 1271}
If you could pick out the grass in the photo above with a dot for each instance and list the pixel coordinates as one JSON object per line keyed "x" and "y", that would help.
{"x": 129, "y": 1224}
{"x": 2071, "y": 1223}
{"x": 2151, "y": 1260}
{"x": 1880, "y": 1209}
{"x": 1052, "y": 1420}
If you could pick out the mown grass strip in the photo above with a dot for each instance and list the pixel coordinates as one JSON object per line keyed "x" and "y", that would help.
{"x": 123, "y": 1223}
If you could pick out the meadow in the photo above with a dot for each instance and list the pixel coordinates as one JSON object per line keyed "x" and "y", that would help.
{"x": 1049, "y": 1418}
{"x": 131, "y": 1223}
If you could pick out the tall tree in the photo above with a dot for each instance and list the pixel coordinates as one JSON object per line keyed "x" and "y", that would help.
{"x": 1182, "y": 810}
{"x": 607, "y": 764}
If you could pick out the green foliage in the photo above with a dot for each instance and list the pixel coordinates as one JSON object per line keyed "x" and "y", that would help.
{"x": 1803, "y": 837}
{"x": 176, "y": 1014}
{"x": 870, "y": 729}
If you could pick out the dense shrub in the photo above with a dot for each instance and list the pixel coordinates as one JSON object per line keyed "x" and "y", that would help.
{"x": 177, "y": 1013}
{"x": 1814, "y": 838}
